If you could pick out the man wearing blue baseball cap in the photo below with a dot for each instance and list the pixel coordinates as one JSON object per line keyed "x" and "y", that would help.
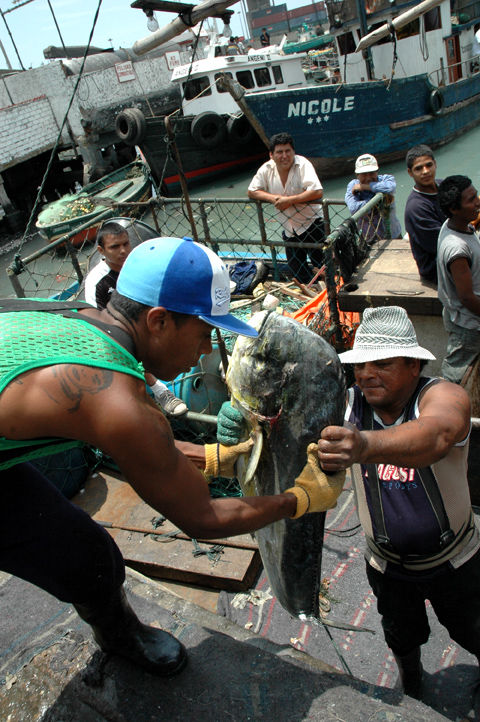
{"x": 82, "y": 371}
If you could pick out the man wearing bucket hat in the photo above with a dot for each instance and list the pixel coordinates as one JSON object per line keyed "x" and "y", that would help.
{"x": 409, "y": 434}
{"x": 82, "y": 371}
{"x": 362, "y": 189}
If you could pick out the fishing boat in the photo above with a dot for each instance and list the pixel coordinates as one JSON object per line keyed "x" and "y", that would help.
{"x": 408, "y": 75}
{"x": 212, "y": 135}
{"x": 125, "y": 185}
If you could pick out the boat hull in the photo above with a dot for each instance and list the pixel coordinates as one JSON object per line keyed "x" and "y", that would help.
{"x": 200, "y": 164}
{"x": 333, "y": 124}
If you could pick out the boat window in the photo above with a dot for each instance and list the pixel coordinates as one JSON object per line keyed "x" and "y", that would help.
{"x": 433, "y": 19}
{"x": 220, "y": 87}
{"x": 219, "y": 50}
{"x": 245, "y": 78}
{"x": 262, "y": 76}
{"x": 411, "y": 28}
{"x": 381, "y": 41}
{"x": 195, "y": 86}
{"x": 346, "y": 43}
{"x": 277, "y": 74}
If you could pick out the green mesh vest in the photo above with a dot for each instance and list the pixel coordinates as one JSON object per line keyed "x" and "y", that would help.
{"x": 32, "y": 339}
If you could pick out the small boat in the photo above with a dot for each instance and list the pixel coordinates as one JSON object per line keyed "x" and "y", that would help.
{"x": 101, "y": 198}
{"x": 418, "y": 83}
{"x": 308, "y": 40}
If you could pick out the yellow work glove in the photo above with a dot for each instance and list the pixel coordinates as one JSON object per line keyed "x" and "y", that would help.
{"x": 220, "y": 460}
{"x": 315, "y": 490}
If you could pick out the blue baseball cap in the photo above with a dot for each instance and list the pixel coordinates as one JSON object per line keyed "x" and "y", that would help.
{"x": 181, "y": 276}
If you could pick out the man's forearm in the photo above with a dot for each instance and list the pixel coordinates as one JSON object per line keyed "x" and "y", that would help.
{"x": 415, "y": 444}
{"x": 472, "y": 302}
{"x": 240, "y": 515}
{"x": 195, "y": 452}
{"x": 262, "y": 195}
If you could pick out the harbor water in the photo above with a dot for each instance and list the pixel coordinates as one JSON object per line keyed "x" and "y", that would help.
{"x": 456, "y": 158}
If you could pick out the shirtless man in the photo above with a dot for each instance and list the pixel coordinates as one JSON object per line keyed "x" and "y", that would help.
{"x": 78, "y": 376}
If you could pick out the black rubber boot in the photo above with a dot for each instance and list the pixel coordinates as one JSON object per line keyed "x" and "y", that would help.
{"x": 411, "y": 672}
{"x": 117, "y": 630}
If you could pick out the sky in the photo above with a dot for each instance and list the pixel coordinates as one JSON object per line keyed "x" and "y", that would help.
{"x": 32, "y": 26}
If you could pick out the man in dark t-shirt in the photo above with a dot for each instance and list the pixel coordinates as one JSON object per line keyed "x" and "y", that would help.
{"x": 264, "y": 38}
{"x": 423, "y": 215}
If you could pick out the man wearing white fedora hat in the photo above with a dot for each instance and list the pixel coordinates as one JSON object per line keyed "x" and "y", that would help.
{"x": 409, "y": 434}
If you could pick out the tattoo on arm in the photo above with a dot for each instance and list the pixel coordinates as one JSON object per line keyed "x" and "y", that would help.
{"x": 78, "y": 381}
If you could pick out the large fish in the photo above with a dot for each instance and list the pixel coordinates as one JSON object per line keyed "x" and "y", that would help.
{"x": 289, "y": 384}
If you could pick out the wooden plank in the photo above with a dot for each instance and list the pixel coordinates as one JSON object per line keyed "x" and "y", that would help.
{"x": 389, "y": 277}
{"x": 233, "y": 568}
{"x": 112, "y": 502}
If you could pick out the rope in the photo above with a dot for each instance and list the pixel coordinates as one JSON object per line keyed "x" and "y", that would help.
{"x": 168, "y": 154}
{"x": 393, "y": 38}
{"x": 54, "y": 149}
{"x": 343, "y": 661}
{"x": 422, "y": 40}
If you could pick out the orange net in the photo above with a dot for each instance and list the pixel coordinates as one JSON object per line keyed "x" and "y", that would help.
{"x": 316, "y": 315}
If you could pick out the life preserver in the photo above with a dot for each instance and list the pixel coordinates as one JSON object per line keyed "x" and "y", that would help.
{"x": 208, "y": 129}
{"x": 239, "y": 130}
{"x": 130, "y": 126}
{"x": 436, "y": 101}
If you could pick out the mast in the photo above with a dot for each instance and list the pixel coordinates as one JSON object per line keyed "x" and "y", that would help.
{"x": 367, "y": 55}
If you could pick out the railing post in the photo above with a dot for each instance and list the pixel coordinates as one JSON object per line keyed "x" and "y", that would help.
{"x": 13, "y": 276}
{"x": 332, "y": 297}
{"x": 74, "y": 258}
{"x": 264, "y": 241}
{"x": 206, "y": 228}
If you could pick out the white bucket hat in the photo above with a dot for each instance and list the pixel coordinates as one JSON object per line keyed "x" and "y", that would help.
{"x": 366, "y": 163}
{"x": 385, "y": 332}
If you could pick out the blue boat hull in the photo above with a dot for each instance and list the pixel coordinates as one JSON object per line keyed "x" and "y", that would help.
{"x": 333, "y": 124}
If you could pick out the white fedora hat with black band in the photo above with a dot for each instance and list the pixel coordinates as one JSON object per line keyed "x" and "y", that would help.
{"x": 385, "y": 332}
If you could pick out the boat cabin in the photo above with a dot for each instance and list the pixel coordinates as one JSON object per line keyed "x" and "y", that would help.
{"x": 257, "y": 70}
{"x": 429, "y": 43}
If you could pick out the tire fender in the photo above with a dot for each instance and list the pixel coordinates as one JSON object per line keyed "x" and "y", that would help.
{"x": 436, "y": 101}
{"x": 130, "y": 126}
{"x": 208, "y": 129}
{"x": 239, "y": 130}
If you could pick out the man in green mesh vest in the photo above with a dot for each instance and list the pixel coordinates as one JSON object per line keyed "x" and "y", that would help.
{"x": 69, "y": 376}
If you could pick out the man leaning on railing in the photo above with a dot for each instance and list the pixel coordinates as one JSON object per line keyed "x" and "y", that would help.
{"x": 290, "y": 183}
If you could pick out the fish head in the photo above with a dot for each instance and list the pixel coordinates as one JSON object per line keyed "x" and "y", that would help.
{"x": 275, "y": 378}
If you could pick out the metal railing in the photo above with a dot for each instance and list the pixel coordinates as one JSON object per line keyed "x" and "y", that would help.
{"x": 237, "y": 228}
{"x": 465, "y": 69}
